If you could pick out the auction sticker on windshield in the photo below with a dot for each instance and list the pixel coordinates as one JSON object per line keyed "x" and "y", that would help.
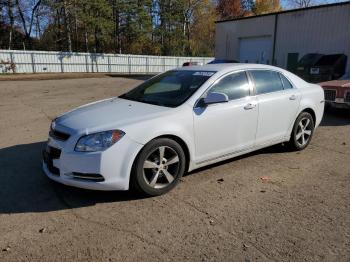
{"x": 203, "y": 73}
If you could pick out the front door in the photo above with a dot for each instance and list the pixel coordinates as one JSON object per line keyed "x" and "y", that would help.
{"x": 226, "y": 128}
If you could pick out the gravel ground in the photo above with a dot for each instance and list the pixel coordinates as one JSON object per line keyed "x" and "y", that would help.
{"x": 226, "y": 212}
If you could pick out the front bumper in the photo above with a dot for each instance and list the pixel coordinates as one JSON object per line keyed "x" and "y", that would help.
{"x": 113, "y": 164}
{"x": 340, "y": 105}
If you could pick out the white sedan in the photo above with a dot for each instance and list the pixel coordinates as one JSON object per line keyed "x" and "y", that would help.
{"x": 179, "y": 121}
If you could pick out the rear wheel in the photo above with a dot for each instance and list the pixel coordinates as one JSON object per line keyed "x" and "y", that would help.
{"x": 158, "y": 167}
{"x": 302, "y": 131}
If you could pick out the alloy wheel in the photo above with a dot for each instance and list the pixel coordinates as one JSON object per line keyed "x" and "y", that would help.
{"x": 161, "y": 167}
{"x": 304, "y": 132}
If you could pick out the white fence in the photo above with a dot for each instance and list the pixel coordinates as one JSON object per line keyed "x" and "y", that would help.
{"x": 64, "y": 62}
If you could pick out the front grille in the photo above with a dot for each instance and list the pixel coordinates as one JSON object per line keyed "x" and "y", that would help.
{"x": 88, "y": 177}
{"x": 58, "y": 135}
{"x": 330, "y": 95}
{"x": 49, "y": 154}
{"x": 347, "y": 97}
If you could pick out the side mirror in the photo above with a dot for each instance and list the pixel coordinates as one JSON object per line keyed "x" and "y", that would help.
{"x": 213, "y": 98}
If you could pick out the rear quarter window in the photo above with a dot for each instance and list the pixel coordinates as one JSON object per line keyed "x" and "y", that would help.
{"x": 286, "y": 83}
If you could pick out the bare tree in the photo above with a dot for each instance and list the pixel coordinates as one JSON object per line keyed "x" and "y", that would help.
{"x": 12, "y": 20}
{"x": 188, "y": 17}
{"x": 27, "y": 15}
{"x": 302, "y": 3}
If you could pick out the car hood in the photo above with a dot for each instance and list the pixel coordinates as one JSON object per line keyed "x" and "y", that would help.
{"x": 336, "y": 83}
{"x": 341, "y": 86}
{"x": 106, "y": 115}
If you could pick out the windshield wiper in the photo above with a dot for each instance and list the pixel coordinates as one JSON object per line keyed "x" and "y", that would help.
{"x": 143, "y": 101}
{"x": 131, "y": 98}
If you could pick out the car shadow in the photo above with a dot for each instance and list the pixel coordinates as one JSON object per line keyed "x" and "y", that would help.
{"x": 336, "y": 117}
{"x": 24, "y": 188}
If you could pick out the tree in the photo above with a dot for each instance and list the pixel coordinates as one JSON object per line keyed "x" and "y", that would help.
{"x": 300, "y": 3}
{"x": 229, "y": 9}
{"x": 203, "y": 30}
{"x": 10, "y": 6}
{"x": 96, "y": 18}
{"x": 169, "y": 31}
{"x": 266, "y": 6}
{"x": 27, "y": 12}
{"x": 158, "y": 27}
{"x": 135, "y": 26}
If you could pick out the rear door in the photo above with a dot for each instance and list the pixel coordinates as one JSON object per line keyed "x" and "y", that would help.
{"x": 278, "y": 103}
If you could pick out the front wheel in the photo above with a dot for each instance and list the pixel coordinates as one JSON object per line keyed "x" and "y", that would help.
{"x": 158, "y": 168}
{"x": 302, "y": 132}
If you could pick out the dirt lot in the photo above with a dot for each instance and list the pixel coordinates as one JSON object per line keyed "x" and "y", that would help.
{"x": 222, "y": 213}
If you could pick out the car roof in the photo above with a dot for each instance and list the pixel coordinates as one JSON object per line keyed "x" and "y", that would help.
{"x": 228, "y": 67}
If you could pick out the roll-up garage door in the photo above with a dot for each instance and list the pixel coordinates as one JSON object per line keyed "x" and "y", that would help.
{"x": 255, "y": 50}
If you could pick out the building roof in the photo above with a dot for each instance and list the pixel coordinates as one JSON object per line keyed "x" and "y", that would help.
{"x": 286, "y": 11}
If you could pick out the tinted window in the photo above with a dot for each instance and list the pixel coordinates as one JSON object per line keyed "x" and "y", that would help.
{"x": 309, "y": 59}
{"x": 170, "y": 89}
{"x": 267, "y": 81}
{"x": 328, "y": 60}
{"x": 235, "y": 86}
{"x": 286, "y": 83}
{"x": 346, "y": 76}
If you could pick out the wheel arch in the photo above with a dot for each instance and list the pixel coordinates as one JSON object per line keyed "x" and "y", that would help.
{"x": 311, "y": 112}
{"x": 177, "y": 139}
{"x": 183, "y": 145}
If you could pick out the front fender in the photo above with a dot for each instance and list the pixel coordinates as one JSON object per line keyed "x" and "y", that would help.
{"x": 178, "y": 124}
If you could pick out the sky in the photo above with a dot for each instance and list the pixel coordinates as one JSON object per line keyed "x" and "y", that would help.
{"x": 287, "y": 3}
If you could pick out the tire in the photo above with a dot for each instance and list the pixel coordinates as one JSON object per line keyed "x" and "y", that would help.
{"x": 327, "y": 107}
{"x": 301, "y": 138}
{"x": 152, "y": 177}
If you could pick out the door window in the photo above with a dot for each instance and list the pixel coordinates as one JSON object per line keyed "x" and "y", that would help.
{"x": 235, "y": 86}
{"x": 266, "y": 81}
{"x": 286, "y": 83}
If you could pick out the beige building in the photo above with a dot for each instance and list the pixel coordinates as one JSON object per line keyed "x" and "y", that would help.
{"x": 282, "y": 38}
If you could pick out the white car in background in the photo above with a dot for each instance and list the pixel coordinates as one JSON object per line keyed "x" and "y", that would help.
{"x": 179, "y": 121}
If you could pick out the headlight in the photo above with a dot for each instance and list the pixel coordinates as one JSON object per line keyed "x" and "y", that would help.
{"x": 53, "y": 124}
{"x": 98, "y": 141}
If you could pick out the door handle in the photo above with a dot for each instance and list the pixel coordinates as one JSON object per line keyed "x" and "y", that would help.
{"x": 250, "y": 106}
{"x": 293, "y": 97}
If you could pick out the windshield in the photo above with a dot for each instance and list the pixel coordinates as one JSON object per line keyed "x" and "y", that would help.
{"x": 328, "y": 60}
{"x": 346, "y": 76}
{"x": 309, "y": 59}
{"x": 169, "y": 89}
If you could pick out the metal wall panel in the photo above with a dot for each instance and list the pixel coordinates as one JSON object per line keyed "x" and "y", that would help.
{"x": 323, "y": 30}
{"x": 228, "y": 34}
{"x": 64, "y": 62}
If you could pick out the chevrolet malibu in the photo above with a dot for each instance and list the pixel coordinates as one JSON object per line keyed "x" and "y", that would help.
{"x": 179, "y": 121}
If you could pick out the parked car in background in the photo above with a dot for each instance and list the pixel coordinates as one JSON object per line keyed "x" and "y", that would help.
{"x": 179, "y": 121}
{"x": 305, "y": 64}
{"x": 192, "y": 64}
{"x": 328, "y": 67}
{"x": 337, "y": 92}
{"x": 222, "y": 61}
